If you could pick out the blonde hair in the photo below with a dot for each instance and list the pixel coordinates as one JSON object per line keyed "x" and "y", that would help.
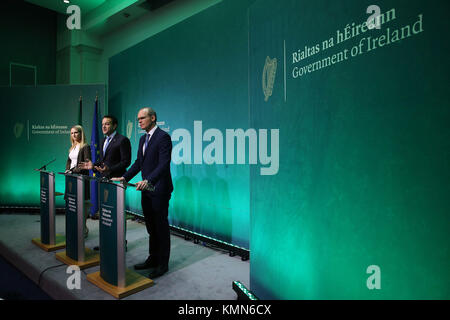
{"x": 83, "y": 137}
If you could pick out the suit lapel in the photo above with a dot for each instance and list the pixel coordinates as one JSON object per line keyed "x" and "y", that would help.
{"x": 141, "y": 144}
{"x": 110, "y": 143}
{"x": 152, "y": 139}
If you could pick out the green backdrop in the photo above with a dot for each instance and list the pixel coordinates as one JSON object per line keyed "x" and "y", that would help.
{"x": 36, "y": 123}
{"x": 364, "y": 151}
{"x": 196, "y": 70}
{"x": 363, "y": 140}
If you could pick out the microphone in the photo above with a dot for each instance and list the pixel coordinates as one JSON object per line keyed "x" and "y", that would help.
{"x": 44, "y": 167}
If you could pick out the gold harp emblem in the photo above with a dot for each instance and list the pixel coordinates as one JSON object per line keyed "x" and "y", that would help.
{"x": 268, "y": 77}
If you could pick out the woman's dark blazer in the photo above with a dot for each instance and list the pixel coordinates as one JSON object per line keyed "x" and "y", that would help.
{"x": 83, "y": 155}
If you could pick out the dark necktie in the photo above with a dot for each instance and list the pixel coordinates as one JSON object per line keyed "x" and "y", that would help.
{"x": 147, "y": 139}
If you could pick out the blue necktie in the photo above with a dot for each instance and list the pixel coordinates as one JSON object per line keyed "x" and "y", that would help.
{"x": 147, "y": 139}
{"x": 106, "y": 145}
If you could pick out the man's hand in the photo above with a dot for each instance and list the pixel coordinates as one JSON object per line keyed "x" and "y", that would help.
{"x": 102, "y": 169}
{"x": 121, "y": 179}
{"x": 88, "y": 165}
{"x": 142, "y": 185}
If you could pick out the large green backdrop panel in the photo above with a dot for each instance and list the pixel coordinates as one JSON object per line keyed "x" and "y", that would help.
{"x": 195, "y": 71}
{"x": 36, "y": 123}
{"x": 359, "y": 208}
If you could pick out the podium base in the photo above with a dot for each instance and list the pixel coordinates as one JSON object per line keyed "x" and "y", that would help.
{"x": 91, "y": 259}
{"x": 60, "y": 243}
{"x": 134, "y": 283}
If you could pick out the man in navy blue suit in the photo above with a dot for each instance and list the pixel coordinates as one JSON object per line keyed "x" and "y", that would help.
{"x": 115, "y": 151}
{"x": 153, "y": 161}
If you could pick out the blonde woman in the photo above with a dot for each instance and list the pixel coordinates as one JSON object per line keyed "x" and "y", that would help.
{"x": 79, "y": 152}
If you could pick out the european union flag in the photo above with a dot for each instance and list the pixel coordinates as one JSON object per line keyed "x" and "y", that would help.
{"x": 95, "y": 153}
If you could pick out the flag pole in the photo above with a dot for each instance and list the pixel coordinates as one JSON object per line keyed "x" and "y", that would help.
{"x": 80, "y": 112}
{"x": 95, "y": 154}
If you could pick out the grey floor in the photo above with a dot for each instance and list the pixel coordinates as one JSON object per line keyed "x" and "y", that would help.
{"x": 195, "y": 272}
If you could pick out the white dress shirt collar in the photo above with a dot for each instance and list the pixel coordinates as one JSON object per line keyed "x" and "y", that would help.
{"x": 153, "y": 130}
{"x": 111, "y": 136}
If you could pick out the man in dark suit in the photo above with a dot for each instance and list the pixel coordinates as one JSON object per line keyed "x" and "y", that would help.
{"x": 153, "y": 161}
{"x": 115, "y": 152}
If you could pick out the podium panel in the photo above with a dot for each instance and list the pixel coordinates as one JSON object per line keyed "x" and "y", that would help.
{"x": 76, "y": 253}
{"x": 47, "y": 208}
{"x": 75, "y": 217}
{"x": 112, "y": 231}
{"x": 113, "y": 276}
{"x": 49, "y": 240}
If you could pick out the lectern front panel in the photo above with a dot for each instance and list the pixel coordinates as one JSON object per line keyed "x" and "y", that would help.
{"x": 112, "y": 230}
{"x": 47, "y": 207}
{"x": 75, "y": 218}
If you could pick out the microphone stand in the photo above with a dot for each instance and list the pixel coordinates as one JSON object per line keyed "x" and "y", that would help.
{"x": 44, "y": 167}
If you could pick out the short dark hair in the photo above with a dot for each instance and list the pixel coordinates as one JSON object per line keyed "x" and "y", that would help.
{"x": 113, "y": 119}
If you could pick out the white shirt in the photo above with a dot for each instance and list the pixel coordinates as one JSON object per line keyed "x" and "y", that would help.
{"x": 73, "y": 155}
{"x": 151, "y": 134}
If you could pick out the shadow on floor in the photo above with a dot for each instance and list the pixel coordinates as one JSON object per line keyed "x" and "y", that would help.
{"x": 14, "y": 285}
